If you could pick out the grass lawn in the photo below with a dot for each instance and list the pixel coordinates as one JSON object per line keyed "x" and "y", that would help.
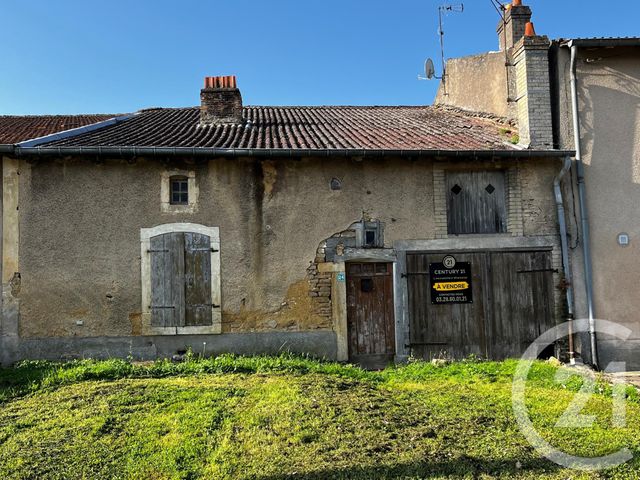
{"x": 289, "y": 417}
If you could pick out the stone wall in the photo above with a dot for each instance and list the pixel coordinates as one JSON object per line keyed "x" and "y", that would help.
{"x": 80, "y": 221}
{"x": 283, "y": 233}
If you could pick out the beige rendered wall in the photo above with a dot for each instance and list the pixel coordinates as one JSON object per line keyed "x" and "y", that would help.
{"x": 80, "y": 232}
{"x": 476, "y": 83}
{"x": 609, "y": 103}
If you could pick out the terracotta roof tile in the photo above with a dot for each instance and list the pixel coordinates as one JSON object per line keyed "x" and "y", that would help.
{"x": 15, "y": 128}
{"x": 367, "y": 128}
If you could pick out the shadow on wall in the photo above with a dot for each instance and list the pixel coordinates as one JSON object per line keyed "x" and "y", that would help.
{"x": 610, "y": 124}
{"x": 610, "y": 112}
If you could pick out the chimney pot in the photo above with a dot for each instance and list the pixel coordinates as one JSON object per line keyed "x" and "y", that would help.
{"x": 220, "y": 101}
{"x": 529, "y": 30}
{"x": 512, "y": 28}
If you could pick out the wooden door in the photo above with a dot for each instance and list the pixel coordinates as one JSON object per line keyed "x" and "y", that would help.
{"x": 181, "y": 280}
{"x": 512, "y": 305}
{"x": 452, "y": 329}
{"x": 370, "y": 315}
{"x": 522, "y": 301}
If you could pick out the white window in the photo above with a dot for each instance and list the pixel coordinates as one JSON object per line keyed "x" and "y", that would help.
{"x": 181, "y": 279}
{"x": 178, "y": 191}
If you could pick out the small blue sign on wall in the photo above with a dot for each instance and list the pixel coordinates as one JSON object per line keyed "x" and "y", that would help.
{"x": 341, "y": 277}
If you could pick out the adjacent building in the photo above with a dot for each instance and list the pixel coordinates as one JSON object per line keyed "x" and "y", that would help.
{"x": 556, "y": 89}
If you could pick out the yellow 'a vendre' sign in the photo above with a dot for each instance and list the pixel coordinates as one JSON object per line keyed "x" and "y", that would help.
{"x": 450, "y": 286}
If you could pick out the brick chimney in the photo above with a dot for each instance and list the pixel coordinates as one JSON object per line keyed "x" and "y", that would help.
{"x": 533, "y": 87}
{"x": 511, "y": 30}
{"x": 220, "y": 101}
{"x": 527, "y": 64}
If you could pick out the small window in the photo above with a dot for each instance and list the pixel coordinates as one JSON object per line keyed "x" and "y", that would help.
{"x": 369, "y": 234}
{"x": 370, "y": 238}
{"x": 335, "y": 184}
{"x": 179, "y": 192}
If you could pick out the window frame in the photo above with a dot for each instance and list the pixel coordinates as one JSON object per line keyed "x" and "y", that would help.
{"x": 146, "y": 234}
{"x": 372, "y": 226}
{"x": 183, "y": 183}
{"x": 166, "y": 205}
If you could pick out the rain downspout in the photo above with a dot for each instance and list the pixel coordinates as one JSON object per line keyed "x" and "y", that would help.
{"x": 566, "y": 266}
{"x": 586, "y": 245}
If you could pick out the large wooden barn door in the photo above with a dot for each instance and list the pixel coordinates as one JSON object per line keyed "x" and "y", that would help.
{"x": 511, "y": 304}
{"x": 521, "y": 301}
{"x": 181, "y": 280}
{"x": 370, "y": 316}
{"x": 457, "y": 329}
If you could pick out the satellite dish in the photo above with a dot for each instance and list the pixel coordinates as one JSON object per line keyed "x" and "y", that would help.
{"x": 429, "y": 69}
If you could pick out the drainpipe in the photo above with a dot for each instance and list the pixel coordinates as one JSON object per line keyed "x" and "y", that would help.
{"x": 564, "y": 243}
{"x": 586, "y": 245}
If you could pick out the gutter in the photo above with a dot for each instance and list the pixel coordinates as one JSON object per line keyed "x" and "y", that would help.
{"x": 112, "y": 151}
{"x": 6, "y": 148}
{"x": 603, "y": 42}
{"x": 584, "y": 214}
{"x": 564, "y": 245}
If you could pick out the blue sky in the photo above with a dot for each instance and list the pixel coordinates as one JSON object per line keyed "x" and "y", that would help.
{"x": 73, "y": 56}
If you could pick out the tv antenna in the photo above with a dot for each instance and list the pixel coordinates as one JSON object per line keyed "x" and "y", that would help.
{"x": 429, "y": 70}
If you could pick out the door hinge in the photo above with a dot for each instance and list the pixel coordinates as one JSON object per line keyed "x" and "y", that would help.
{"x": 203, "y": 250}
{"x": 405, "y": 275}
{"x": 553, "y": 270}
{"x": 160, "y": 306}
{"x": 212, "y": 305}
{"x": 156, "y": 251}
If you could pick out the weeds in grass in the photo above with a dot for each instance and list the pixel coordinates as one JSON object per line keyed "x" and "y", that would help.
{"x": 30, "y": 376}
{"x": 287, "y": 416}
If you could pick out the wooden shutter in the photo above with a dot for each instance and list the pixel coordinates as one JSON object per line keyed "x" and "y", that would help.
{"x": 181, "y": 281}
{"x": 476, "y": 202}
{"x": 197, "y": 266}
{"x": 167, "y": 284}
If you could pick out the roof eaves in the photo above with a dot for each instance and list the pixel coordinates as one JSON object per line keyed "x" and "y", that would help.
{"x": 293, "y": 153}
{"x": 73, "y": 131}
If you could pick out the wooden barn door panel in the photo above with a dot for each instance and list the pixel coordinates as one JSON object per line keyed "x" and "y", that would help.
{"x": 522, "y": 286}
{"x": 453, "y": 329}
{"x": 370, "y": 315}
{"x": 512, "y": 305}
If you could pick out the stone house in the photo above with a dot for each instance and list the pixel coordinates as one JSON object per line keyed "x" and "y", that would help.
{"x": 587, "y": 89}
{"x": 366, "y": 234}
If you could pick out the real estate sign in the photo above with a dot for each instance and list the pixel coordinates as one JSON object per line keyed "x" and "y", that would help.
{"x": 450, "y": 281}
